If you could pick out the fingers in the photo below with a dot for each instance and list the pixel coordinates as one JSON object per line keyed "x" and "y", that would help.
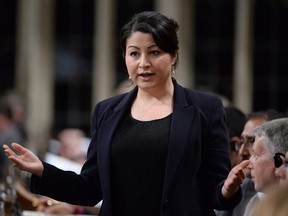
{"x": 240, "y": 169}
{"x": 11, "y": 156}
{"x": 15, "y": 146}
{"x": 240, "y": 177}
{"x": 51, "y": 206}
{"x": 43, "y": 203}
{"x": 244, "y": 164}
{"x": 20, "y": 149}
{"x": 234, "y": 179}
{"x": 237, "y": 175}
{"x": 8, "y": 151}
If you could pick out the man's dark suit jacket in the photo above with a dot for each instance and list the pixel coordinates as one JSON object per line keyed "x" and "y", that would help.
{"x": 197, "y": 162}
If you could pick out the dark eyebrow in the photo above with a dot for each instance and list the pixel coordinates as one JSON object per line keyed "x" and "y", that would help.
{"x": 150, "y": 47}
{"x": 132, "y": 46}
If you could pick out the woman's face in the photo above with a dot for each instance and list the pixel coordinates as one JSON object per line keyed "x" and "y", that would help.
{"x": 148, "y": 66}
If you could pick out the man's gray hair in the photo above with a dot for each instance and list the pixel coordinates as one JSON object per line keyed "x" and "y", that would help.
{"x": 276, "y": 135}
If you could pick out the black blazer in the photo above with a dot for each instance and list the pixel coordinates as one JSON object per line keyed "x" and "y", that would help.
{"x": 197, "y": 163}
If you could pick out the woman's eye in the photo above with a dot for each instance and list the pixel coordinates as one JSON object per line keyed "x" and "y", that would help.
{"x": 155, "y": 52}
{"x": 134, "y": 54}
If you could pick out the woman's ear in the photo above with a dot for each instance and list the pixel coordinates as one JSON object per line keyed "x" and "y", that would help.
{"x": 175, "y": 58}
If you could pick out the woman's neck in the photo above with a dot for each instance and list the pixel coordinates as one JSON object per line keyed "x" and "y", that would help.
{"x": 150, "y": 105}
{"x": 158, "y": 93}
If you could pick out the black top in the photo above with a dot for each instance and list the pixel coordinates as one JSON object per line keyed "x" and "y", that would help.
{"x": 138, "y": 161}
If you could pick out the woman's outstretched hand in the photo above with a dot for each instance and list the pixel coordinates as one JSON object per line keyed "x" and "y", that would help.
{"x": 24, "y": 159}
{"x": 234, "y": 180}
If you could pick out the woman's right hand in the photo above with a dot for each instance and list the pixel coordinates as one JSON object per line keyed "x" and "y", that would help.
{"x": 24, "y": 159}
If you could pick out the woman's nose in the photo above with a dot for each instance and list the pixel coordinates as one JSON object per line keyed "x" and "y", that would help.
{"x": 144, "y": 62}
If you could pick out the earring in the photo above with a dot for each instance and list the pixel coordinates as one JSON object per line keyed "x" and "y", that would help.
{"x": 173, "y": 70}
{"x": 130, "y": 80}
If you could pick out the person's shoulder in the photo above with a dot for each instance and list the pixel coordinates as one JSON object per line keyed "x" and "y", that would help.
{"x": 206, "y": 105}
{"x": 200, "y": 98}
{"x": 202, "y": 94}
{"x": 113, "y": 99}
{"x": 116, "y": 102}
{"x": 195, "y": 94}
{"x": 107, "y": 105}
{"x": 110, "y": 103}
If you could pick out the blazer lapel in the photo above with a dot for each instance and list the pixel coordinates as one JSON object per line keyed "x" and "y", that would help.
{"x": 183, "y": 119}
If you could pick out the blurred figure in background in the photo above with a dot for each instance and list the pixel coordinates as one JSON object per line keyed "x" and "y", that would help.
{"x": 73, "y": 144}
{"x": 235, "y": 121}
{"x": 244, "y": 146}
{"x": 18, "y": 110}
{"x": 9, "y": 133}
{"x": 68, "y": 151}
{"x": 275, "y": 203}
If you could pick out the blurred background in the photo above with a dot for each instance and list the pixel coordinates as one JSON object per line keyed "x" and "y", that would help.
{"x": 60, "y": 57}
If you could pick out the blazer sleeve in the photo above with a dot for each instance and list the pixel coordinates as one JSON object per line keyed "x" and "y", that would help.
{"x": 88, "y": 187}
{"x": 215, "y": 156}
{"x": 67, "y": 186}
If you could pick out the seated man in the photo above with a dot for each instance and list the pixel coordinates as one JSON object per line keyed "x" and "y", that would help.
{"x": 270, "y": 139}
{"x": 276, "y": 201}
{"x": 235, "y": 121}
